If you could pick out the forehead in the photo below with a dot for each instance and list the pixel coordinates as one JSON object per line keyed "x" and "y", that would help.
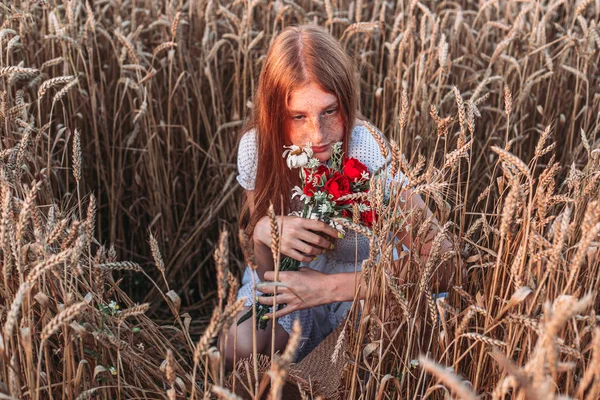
{"x": 310, "y": 97}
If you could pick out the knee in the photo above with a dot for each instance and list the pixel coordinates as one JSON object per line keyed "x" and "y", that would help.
{"x": 238, "y": 342}
{"x": 243, "y": 343}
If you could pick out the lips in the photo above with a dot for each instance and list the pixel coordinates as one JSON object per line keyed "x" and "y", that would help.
{"x": 320, "y": 149}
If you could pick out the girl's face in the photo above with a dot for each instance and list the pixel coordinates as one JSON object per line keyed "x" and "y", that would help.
{"x": 315, "y": 116}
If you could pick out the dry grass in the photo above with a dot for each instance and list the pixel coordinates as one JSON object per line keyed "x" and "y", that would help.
{"x": 118, "y": 124}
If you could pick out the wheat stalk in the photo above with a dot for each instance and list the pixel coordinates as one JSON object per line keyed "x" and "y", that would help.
{"x": 57, "y": 232}
{"x": 484, "y": 339}
{"x": 170, "y": 368}
{"x": 175, "y": 25}
{"x": 219, "y": 321}
{"x": 280, "y": 366}
{"x": 77, "y": 155}
{"x": 15, "y": 308}
{"x": 233, "y": 286}
{"x": 18, "y": 70}
{"x": 133, "y": 311}
{"x": 209, "y": 335}
{"x": 59, "y": 80}
{"x": 72, "y": 235}
{"x": 363, "y": 230}
{"x": 52, "y": 62}
{"x": 59, "y": 95}
{"x": 128, "y": 47}
{"x": 90, "y": 221}
{"x": 224, "y": 393}
{"x": 120, "y": 266}
{"x": 247, "y": 249}
{"x": 383, "y": 148}
{"x": 62, "y": 318}
{"x": 156, "y": 255}
{"x": 161, "y": 47}
{"x": 448, "y": 378}
{"x": 221, "y": 255}
{"x": 51, "y": 262}
{"x": 275, "y": 235}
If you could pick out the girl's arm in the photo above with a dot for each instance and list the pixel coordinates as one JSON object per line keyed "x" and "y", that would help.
{"x": 344, "y": 285}
{"x": 300, "y": 239}
{"x": 263, "y": 255}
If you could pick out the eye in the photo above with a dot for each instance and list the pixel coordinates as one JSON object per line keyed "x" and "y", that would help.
{"x": 331, "y": 111}
{"x": 298, "y": 117}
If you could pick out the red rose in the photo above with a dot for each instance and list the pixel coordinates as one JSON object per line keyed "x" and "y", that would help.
{"x": 354, "y": 169}
{"x": 321, "y": 170}
{"x": 309, "y": 186}
{"x": 368, "y": 218}
{"x": 338, "y": 185}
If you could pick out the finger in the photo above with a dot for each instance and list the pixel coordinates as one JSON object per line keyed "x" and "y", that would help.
{"x": 271, "y": 287}
{"x": 314, "y": 239}
{"x": 307, "y": 248}
{"x": 269, "y": 275}
{"x": 321, "y": 226}
{"x": 268, "y": 300}
{"x": 280, "y": 313}
{"x": 267, "y": 289}
{"x": 296, "y": 255}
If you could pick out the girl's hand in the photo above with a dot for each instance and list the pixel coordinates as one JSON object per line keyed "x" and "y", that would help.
{"x": 304, "y": 288}
{"x": 300, "y": 238}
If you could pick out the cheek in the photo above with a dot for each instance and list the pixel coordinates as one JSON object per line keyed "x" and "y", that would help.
{"x": 292, "y": 136}
{"x": 335, "y": 127}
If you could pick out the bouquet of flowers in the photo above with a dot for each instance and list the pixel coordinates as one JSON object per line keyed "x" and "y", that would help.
{"x": 337, "y": 190}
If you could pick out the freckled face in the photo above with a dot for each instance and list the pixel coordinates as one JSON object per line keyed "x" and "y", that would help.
{"x": 314, "y": 116}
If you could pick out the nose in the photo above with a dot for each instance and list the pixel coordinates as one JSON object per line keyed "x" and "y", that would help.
{"x": 316, "y": 132}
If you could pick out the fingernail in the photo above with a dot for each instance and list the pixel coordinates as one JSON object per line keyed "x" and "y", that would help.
{"x": 264, "y": 317}
{"x": 340, "y": 235}
{"x": 331, "y": 246}
{"x": 315, "y": 259}
{"x": 257, "y": 299}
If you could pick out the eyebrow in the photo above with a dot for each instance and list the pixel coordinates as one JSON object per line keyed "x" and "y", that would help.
{"x": 330, "y": 105}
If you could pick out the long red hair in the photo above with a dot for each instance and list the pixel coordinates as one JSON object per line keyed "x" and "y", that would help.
{"x": 298, "y": 55}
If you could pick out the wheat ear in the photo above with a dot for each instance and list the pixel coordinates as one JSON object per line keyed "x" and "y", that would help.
{"x": 63, "y": 317}
{"x": 449, "y": 379}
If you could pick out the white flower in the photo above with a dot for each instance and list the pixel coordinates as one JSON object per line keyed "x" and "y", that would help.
{"x": 297, "y": 191}
{"x": 113, "y": 305}
{"x": 296, "y": 156}
{"x": 320, "y": 197}
{"x": 362, "y": 207}
{"x": 313, "y": 163}
{"x": 338, "y": 227}
{"x": 336, "y": 148}
{"x": 296, "y": 160}
{"x": 326, "y": 208}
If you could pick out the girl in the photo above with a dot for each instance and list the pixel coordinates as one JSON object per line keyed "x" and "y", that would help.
{"x": 307, "y": 92}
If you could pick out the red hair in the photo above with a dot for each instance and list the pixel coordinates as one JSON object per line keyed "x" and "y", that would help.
{"x": 298, "y": 55}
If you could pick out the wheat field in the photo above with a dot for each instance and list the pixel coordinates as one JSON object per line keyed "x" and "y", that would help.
{"x": 119, "y": 246}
